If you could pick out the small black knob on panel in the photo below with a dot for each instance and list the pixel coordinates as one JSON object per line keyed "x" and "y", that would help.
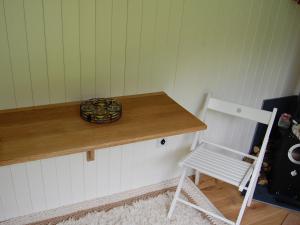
{"x": 163, "y": 141}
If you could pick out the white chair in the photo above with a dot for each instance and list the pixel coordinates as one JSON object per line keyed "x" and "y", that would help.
{"x": 225, "y": 167}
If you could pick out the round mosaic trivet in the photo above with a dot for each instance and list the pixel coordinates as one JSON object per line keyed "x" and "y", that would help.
{"x": 101, "y": 110}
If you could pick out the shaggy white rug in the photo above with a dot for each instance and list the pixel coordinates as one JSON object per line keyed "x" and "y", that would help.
{"x": 144, "y": 212}
{"x": 112, "y": 209}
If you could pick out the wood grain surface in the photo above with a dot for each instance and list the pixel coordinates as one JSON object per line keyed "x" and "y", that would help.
{"x": 54, "y": 130}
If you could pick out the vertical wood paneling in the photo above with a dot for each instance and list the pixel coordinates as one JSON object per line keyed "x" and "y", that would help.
{"x": 102, "y": 159}
{"x": 54, "y": 48}
{"x": 172, "y": 44}
{"x": 293, "y": 68}
{"x": 65, "y": 50}
{"x": 265, "y": 57}
{"x": 126, "y": 167}
{"x": 7, "y": 95}
{"x": 90, "y": 179}
{"x": 115, "y": 162}
{"x": 258, "y": 60}
{"x": 2, "y": 216}
{"x": 187, "y": 77}
{"x": 254, "y": 73}
{"x": 21, "y": 187}
{"x": 297, "y": 89}
{"x": 14, "y": 13}
{"x": 118, "y": 46}
{"x": 292, "y": 52}
{"x": 50, "y": 183}
{"x": 280, "y": 46}
{"x": 149, "y": 15}
{"x": 87, "y": 48}
{"x": 103, "y": 47}
{"x": 148, "y": 161}
{"x": 77, "y": 179}
{"x": 258, "y": 49}
{"x": 49, "y": 171}
{"x": 138, "y": 175}
{"x": 64, "y": 179}
{"x": 7, "y": 193}
{"x": 243, "y": 67}
{"x": 34, "y": 18}
{"x": 161, "y": 81}
{"x": 36, "y": 185}
{"x": 134, "y": 23}
{"x": 70, "y": 17}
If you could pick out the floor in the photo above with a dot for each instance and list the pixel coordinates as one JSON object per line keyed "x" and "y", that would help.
{"x": 227, "y": 198}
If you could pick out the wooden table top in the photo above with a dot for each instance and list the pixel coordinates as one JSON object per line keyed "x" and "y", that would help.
{"x": 54, "y": 130}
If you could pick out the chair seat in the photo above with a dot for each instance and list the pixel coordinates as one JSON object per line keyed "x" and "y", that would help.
{"x": 217, "y": 165}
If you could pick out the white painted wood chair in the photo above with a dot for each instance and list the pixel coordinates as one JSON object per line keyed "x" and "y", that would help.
{"x": 222, "y": 166}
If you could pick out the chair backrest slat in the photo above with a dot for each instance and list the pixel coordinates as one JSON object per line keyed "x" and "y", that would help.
{"x": 242, "y": 111}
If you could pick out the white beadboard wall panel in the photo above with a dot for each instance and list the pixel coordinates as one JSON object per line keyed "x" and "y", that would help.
{"x": 138, "y": 161}
{"x": 77, "y": 177}
{"x": 103, "y": 47}
{"x": 37, "y": 51}
{"x": 70, "y": 18}
{"x": 292, "y": 66}
{"x": 115, "y": 163}
{"x": 126, "y": 171}
{"x": 288, "y": 54}
{"x": 90, "y": 179}
{"x": 253, "y": 72}
{"x": 87, "y": 47}
{"x": 21, "y": 187}
{"x": 142, "y": 160}
{"x": 172, "y": 44}
{"x": 7, "y": 95}
{"x": 1, "y": 210}
{"x": 51, "y": 183}
{"x": 159, "y": 80}
{"x": 8, "y": 195}
{"x": 36, "y": 185}
{"x": 54, "y": 49}
{"x": 17, "y": 43}
{"x": 49, "y": 171}
{"x": 64, "y": 179}
{"x": 149, "y": 12}
{"x": 297, "y": 89}
{"x": 118, "y": 46}
{"x": 103, "y": 165}
{"x": 134, "y": 22}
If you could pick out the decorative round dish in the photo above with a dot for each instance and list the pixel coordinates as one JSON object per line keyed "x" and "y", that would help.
{"x": 101, "y": 110}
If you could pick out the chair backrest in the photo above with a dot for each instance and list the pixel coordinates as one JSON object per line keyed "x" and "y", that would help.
{"x": 258, "y": 115}
{"x": 233, "y": 109}
{"x": 242, "y": 111}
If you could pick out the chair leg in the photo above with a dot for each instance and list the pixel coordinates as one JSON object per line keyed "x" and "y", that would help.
{"x": 242, "y": 210}
{"x": 247, "y": 200}
{"x": 251, "y": 194}
{"x": 197, "y": 177}
{"x": 172, "y": 207}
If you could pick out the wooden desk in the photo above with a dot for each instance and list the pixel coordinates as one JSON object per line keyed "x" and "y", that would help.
{"x": 54, "y": 130}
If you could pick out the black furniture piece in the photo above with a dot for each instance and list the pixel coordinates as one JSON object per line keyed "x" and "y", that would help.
{"x": 285, "y": 173}
{"x": 284, "y": 180}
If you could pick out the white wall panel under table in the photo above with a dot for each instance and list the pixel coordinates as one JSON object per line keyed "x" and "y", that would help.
{"x": 50, "y": 183}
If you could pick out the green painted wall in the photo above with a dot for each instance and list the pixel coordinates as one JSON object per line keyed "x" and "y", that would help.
{"x": 64, "y": 50}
